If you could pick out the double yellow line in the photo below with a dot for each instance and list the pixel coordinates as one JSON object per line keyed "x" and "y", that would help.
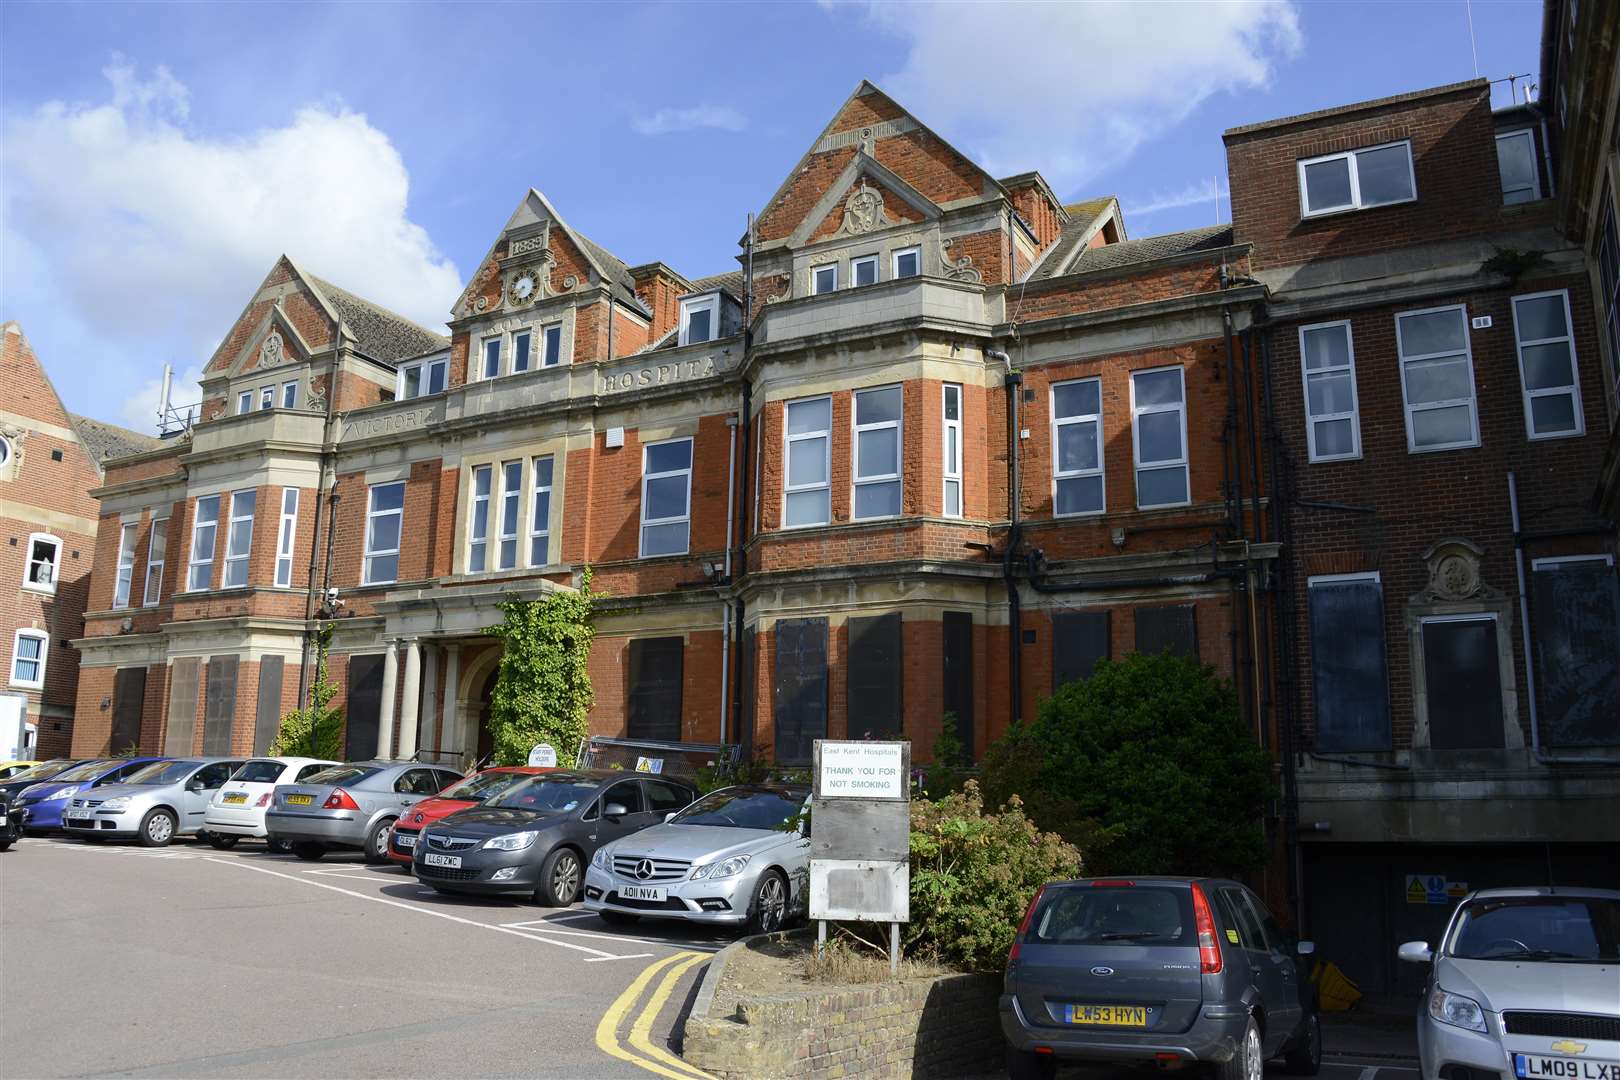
{"x": 655, "y": 1059}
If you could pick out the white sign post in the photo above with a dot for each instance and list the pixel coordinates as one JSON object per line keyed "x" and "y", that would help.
{"x": 543, "y": 756}
{"x": 860, "y": 853}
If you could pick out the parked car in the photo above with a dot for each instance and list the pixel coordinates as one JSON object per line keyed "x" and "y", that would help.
{"x": 237, "y": 809}
{"x": 164, "y": 800}
{"x": 1164, "y": 972}
{"x": 9, "y": 769}
{"x": 40, "y": 805}
{"x": 739, "y": 856}
{"x": 1523, "y": 983}
{"x": 465, "y": 793}
{"x": 537, "y": 836}
{"x": 10, "y": 824}
{"x": 351, "y": 806}
{"x": 43, "y": 771}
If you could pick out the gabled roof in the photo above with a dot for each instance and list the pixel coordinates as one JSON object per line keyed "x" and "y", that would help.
{"x": 1086, "y": 219}
{"x": 379, "y": 333}
{"x": 733, "y": 283}
{"x": 1148, "y": 249}
{"x": 104, "y": 441}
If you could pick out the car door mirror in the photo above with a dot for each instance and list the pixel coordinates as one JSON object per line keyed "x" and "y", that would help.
{"x": 1305, "y": 948}
{"x": 614, "y": 811}
{"x": 671, "y": 815}
{"x": 194, "y": 786}
{"x": 1415, "y": 952}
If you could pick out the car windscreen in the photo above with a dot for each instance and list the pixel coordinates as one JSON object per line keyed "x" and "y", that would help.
{"x": 740, "y": 808}
{"x": 48, "y": 770}
{"x": 341, "y": 774}
{"x": 1551, "y": 928}
{"x": 260, "y": 772}
{"x": 162, "y": 772}
{"x": 548, "y": 795}
{"x": 88, "y": 771}
{"x": 482, "y": 786}
{"x": 1108, "y": 915}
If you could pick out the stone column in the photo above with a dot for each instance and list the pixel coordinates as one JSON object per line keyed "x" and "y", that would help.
{"x": 409, "y": 707}
{"x": 450, "y": 721}
{"x": 385, "y": 712}
{"x": 430, "y": 703}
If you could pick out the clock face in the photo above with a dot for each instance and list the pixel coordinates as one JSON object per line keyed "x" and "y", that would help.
{"x": 523, "y": 287}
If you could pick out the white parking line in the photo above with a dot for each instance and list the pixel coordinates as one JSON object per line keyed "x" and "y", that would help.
{"x": 339, "y": 871}
{"x": 538, "y": 926}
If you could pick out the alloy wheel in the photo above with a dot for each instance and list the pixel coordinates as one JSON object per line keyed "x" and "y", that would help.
{"x": 1253, "y": 1066}
{"x": 379, "y": 842}
{"x": 565, "y": 878}
{"x": 771, "y": 904}
{"x": 160, "y": 829}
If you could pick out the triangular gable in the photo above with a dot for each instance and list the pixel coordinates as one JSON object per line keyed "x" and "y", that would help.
{"x": 861, "y": 178}
{"x": 274, "y": 341}
{"x": 227, "y": 356}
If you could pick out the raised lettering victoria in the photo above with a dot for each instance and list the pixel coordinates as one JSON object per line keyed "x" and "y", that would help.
{"x": 614, "y": 382}
{"x": 394, "y": 423}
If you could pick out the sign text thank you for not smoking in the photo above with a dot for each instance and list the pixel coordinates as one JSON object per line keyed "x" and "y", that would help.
{"x": 862, "y": 770}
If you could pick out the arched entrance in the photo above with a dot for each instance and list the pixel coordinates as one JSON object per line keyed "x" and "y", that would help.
{"x": 479, "y": 671}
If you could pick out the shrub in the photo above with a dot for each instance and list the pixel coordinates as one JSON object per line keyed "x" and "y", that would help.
{"x": 543, "y": 687}
{"x": 973, "y": 875}
{"x": 1148, "y": 764}
{"x": 949, "y": 768}
{"x": 317, "y": 731}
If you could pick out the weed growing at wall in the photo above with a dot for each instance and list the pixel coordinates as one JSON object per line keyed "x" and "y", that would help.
{"x": 543, "y": 688}
{"x": 317, "y": 731}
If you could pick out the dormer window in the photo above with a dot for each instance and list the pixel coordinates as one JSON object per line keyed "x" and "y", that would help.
{"x": 863, "y": 271}
{"x": 422, "y": 378}
{"x": 824, "y": 279}
{"x": 1357, "y": 179}
{"x": 1516, "y": 163}
{"x": 907, "y": 262}
{"x": 699, "y": 318}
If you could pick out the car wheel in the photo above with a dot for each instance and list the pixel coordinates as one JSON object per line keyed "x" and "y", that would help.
{"x": 559, "y": 879}
{"x": 377, "y": 846}
{"x": 157, "y": 828}
{"x": 308, "y": 850}
{"x": 1246, "y": 1062}
{"x": 1023, "y": 1065}
{"x": 222, "y": 843}
{"x": 618, "y": 918}
{"x": 768, "y": 909}
{"x": 1304, "y": 1056}
{"x": 276, "y": 847}
{"x": 5, "y": 842}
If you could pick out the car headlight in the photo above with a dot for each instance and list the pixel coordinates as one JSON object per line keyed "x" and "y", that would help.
{"x": 72, "y": 789}
{"x": 1456, "y": 1010}
{"x": 116, "y": 803}
{"x": 600, "y": 859}
{"x": 516, "y": 841}
{"x": 726, "y": 868}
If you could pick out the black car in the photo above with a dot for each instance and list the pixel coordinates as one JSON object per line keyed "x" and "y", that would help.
{"x": 538, "y": 836}
{"x": 10, "y": 823}
{"x": 38, "y": 774}
{"x": 1164, "y": 972}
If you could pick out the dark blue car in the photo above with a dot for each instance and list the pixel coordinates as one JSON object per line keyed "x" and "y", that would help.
{"x": 40, "y": 805}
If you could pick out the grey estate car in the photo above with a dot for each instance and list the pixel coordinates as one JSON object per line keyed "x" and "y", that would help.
{"x": 154, "y": 805}
{"x": 351, "y": 806}
{"x": 1166, "y": 972}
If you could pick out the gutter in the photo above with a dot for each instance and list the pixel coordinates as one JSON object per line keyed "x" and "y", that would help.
{"x": 1012, "y": 381}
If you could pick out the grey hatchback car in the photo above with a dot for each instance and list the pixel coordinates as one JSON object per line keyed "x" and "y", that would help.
{"x": 153, "y": 805}
{"x": 351, "y": 806}
{"x": 1165, "y": 972}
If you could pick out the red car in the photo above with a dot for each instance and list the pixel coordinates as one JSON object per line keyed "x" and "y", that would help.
{"x": 458, "y": 796}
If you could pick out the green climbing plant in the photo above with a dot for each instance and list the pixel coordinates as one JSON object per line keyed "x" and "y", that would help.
{"x": 317, "y": 731}
{"x": 543, "y": 687}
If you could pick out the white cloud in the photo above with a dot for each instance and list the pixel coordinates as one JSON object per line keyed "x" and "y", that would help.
{"x": 667, "y": 121}
{"x": 1200, "y": 192}
{"x": 130, "y": 239}
{"x": 1071, "y": 88}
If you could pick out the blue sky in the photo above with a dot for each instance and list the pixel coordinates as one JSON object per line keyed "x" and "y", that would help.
{"x": 157, "y": 157}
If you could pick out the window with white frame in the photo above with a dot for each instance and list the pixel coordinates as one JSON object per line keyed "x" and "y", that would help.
{"x": 478, "y": 520}
{"x": 285, "y": 537}
{"x": 157, "y": 545}
{"x": 244, "y": 402}
{"x": 267, "y": 397}
{"x": 1327, "y": 362}
{"x": 666, "y": 497}
{"x": 422, "y": 378}
{"x": 385, "y": 515}
{"x": 952, "y": 446}
{"x": 29, "y": 651}
{"x": 1516, "y": 164}
{"x": 551, "y": 345}
{"x": 289, "y": 395}
{"x": 204, "y": 533}
{"x": 126, "y": 566}
{"x": 506, "y": 550}
{"x": 1159, "y": 437}
{"x": 824, "y": 279}
{"x": 907, "y": 262}
{"x": 520, "y": 351}
{"x": 1547, "y": 370}
{"x": 540, "y": 513}
{"x": 492, "y": 358}
{"x": 877, "y": 453}
{"x": 1077, "y": 451}
{"x": 864, "y": 270}
{"x": 700, "y": 317}
{"x": 1357, "y": 179}
{"x": 1437, "y": 378}
{"x": 239, "y": 538}
{"x": 44, "y": 562}
{"x": 807, "y": 488}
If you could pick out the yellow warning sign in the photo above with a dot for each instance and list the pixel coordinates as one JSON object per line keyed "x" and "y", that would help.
{"x": 1415, "y": 891}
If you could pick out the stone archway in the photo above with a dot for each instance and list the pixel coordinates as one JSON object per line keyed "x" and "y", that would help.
{"x": 477, "y": 681}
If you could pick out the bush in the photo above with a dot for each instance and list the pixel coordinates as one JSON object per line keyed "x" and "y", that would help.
{"x": 1148, "y": 764}
{"x": 973, "y": 875}
{"x": 543, "y": 688}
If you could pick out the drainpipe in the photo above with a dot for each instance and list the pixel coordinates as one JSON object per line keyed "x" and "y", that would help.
{"x": 743, "y": 494}
{"x": 327, "y": 456}
{"x": 1012, "y": 381}
{"x": 725, "y": 618}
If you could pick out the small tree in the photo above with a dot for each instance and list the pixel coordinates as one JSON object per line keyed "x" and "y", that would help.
{"x": 543, "y": 688}
{"x": 1147, "y": 764}
{"x": 317, "y": 731}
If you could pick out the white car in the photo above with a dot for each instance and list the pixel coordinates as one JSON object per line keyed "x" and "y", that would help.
{"x": 237, "y": 809}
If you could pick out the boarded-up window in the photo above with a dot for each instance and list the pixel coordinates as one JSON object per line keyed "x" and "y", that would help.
{"x": 1462, "y": 677}
{"x": 800, "y": 699}
{"x": 1079, "y": 640}
{"x": 1172, "y": 628}
{"x": 746, "y": 660}
{"x": 129, "y": 697}
{"x": 1349, "y": 677}
{"x": 655, "y": 689}
{"x": 268, "y": 720}
{"x": 1576, "y": 608}
{"x": 958, "y": 663}
{"x": 219, "y": 705}
{"x": 874, "y": 677}
{"x": 182, "y": 706}
{"x": 364, "y": 705}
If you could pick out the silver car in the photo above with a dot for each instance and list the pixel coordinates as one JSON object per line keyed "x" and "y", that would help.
{"x": 154, "y": 805}
{"x": 350, "y": 806}
{"x": 1524, "y": 983}
{"x": 739, "y": 856}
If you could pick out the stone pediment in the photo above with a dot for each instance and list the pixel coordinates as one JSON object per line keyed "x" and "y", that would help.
{"x": 866, "y": 197}
{"x": 275, "y": 341}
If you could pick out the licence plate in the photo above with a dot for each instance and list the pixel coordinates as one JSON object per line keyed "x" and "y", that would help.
{"x": 1528, "y": 1065}
{"x": 406, "y": 840}
{"x": 2, "y": 821}
{"x": 300, "y": 800}
{"x": 451, "y": 861}
{"x": 76, "y": 815}
{"x": 235, "y": 798}
{"x": 641, "y": 892}
{"x": 1112, "y": 1015}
